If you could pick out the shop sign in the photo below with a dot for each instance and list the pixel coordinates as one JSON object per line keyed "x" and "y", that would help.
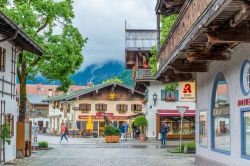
{"x": 244, "y": 102}
{"x": 187, "y": 91}
{"x": 102, "y": 114}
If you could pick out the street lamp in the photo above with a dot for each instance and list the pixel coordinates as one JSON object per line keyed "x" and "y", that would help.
{"x": 182, "y": 110}
{"x": 155, "y": 98}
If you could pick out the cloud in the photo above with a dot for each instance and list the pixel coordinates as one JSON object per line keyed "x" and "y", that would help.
{"x": 103, "y": 22}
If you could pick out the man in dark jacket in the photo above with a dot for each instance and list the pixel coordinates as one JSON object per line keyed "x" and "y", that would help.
{"x": 122, "y": 130}
{"x": 164, "y": 130}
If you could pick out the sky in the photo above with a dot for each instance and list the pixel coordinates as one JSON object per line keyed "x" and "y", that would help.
{"x": 103, "y": 22}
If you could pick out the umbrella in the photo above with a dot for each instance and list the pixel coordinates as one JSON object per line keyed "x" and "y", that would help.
{"x": 89, "y": 123}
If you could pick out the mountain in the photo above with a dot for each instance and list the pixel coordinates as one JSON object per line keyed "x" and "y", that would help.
{"x": 95, "y": 73}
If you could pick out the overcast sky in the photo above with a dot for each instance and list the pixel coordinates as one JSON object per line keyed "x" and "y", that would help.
{"x": 103, "y": 22}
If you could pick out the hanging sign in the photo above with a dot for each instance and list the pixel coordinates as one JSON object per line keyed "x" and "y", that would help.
{"x": 187, "y": 91}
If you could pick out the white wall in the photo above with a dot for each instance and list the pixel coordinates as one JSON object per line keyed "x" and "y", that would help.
{"x": 205, "y": 81}
{"x": 11, "y": 104}
{"x": 151, "y": 110}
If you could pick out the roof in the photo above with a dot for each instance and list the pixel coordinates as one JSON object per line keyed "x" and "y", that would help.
{"x": 44, "y": 89}
{"x": 168, "y": 7}
{"x": 37, "y": 99}
{"x": 10, "y": 30}
{"x": 75, "y": 94}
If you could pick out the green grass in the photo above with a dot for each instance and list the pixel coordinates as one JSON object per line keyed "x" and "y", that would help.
{"x": 43, "y": 144}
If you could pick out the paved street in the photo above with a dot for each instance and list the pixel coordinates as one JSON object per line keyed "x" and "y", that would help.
{"x": 94, "y": 152}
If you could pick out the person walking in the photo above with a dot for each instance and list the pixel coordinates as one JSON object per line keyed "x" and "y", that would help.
{"x": 122, "y": 130}
{"x": 35, "y": 129}
{"x": 137, "y": 133}
{"x": 164, "y": 130}
{"x": 126, "y": 130}
{"x": 63, "y": 132}
{"x": 134, "y": 130}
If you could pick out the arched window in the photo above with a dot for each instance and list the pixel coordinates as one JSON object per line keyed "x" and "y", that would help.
{"x": 220, "y": 117}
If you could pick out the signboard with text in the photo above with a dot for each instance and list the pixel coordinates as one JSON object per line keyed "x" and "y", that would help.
{"x": 187, "y": 91}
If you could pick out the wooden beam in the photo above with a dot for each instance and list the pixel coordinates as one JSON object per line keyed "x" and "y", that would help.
{"x": 191, "y": 68}
{"x": 240, "y": 16}
{"x": 209, "y": 56}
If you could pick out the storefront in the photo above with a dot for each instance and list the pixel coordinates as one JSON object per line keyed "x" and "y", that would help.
{"x": 98, "y": 123}
{"x": 173, "y": 120}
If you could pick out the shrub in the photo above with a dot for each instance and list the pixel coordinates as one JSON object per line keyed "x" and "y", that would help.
{"x": 43, "y": 144}
{"x": 141, "y": 121}
{"x": 111, "y": 130}
{"x": 190, "y": 145}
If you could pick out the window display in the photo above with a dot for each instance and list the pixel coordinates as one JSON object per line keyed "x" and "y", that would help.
{"x": 221, "y": 116}
{"x": 246, "y": 133}
{"x": 203, "y": 128}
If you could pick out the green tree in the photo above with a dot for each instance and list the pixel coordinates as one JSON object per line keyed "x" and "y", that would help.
{"x": 166, "y": 25}
{"x": 49, "y": 23}
{"x": 115, "y": 79}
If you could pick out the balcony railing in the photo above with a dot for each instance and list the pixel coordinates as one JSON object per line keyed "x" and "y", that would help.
{"x": 189, "y": 14}
{"x": 144, "y": 74}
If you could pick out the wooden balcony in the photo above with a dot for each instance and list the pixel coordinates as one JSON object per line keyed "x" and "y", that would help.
{"x": 204, "y": 31}
{"x": 144, "y": 75}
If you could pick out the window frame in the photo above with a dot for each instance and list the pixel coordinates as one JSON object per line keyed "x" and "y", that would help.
{"x": 206, "y": 125}
{"x": 136, "y": 107}
{"x": 2, "y": 59}
{"x": 242, "y": 127}
{"x": 213, "y": 96}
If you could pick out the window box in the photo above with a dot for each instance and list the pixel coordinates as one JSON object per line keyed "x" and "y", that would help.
{"x": 169, "y": 96}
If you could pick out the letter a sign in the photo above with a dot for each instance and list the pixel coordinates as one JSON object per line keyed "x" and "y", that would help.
{"x": 187, "y": 91}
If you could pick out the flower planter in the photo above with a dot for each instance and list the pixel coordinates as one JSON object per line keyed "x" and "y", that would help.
{"x": 142, "y": 137}
{"x": 112, "y": 139}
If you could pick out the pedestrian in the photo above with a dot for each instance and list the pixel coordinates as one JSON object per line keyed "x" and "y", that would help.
{"x": 35, "y": 129}
{"x": 63, "y": 132}
{"x": 122, "y": 130}
{"x": 137, "y": 133}
{"x": 134, "y": 129}
{"x": 164, "y": 130}
{"x": 126, "y": 130}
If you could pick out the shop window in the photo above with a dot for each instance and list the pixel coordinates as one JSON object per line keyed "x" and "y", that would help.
{"x": 9, "y": 119}
{"x": 203, "y": 128}
{"x": 101, "y": 107}
{"x": 220, "y": 116}
{"x": 169, "y": 96}
{"x": 246, "y": 133}
{"x": 136, "y": 107}
{"x": 85, "y": 107}
{"x": 2, "y": 59}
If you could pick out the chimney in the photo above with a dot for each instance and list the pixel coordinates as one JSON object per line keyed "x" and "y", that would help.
{"x": 90, "y": 84}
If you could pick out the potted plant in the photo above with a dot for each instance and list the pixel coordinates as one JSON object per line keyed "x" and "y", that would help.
{"x": 171, "y": 88}
{"x": 112, "y": 134}
{"x": 141, "y": 121}
{"x": 122, "y": 111}
{"x": 5, "y": 135}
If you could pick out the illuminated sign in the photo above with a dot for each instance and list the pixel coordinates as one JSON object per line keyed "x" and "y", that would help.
{"x": 187, "y": 91}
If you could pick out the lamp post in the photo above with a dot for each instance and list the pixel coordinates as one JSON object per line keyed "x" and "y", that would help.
{"x": 182, "y": 110}
{"x": 155, "y": 98}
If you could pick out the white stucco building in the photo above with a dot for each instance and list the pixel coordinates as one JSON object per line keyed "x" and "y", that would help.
{"x": 12, "y": 41}
{"x": 162, "y": 110}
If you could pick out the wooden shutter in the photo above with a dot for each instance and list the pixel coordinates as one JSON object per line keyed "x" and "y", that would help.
{"x": 105, "y": 107}
{"x": 139, "y": 107}
{"x": 126, "y": 107}
{"x": 118, "y": 107}
{"x": 4, "y": 57}
{"x": 12, "y": 125}
{"x": 163, "y": 95}
{"x": 96, "y": 107}
{"x": 177, "y": 95}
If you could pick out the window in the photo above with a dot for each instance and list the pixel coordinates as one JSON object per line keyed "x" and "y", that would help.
{"x": 85, "y": 107}
{"x": 248, "y": 79}
{"x": 136, "y": 107}
{"x": 246, "y": 133}
{"x": 245, "y": 77}
{"x": 203, "y": 128}
{"x": 9, "y": 119}
{"x": 122, "y": 107}
{"x": 221, "y": 116}
{"x": 2, "y": 59}
{"x": 101, "y": 107}
{"x": 169, "y": 95}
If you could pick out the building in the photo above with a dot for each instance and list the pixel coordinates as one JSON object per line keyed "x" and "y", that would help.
{"x": 160, "y": 104}
{"x": 38, "y": 110}
{"x": 12, "y": 41}
{"x": 118, "y": 102}
{"x": 209, "y": 42}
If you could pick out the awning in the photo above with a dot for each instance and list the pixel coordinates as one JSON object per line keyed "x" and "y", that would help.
{"x": 190, "y": 113}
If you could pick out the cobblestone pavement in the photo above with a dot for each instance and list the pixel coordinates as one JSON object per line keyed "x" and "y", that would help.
{"x": 94, "y": 152}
